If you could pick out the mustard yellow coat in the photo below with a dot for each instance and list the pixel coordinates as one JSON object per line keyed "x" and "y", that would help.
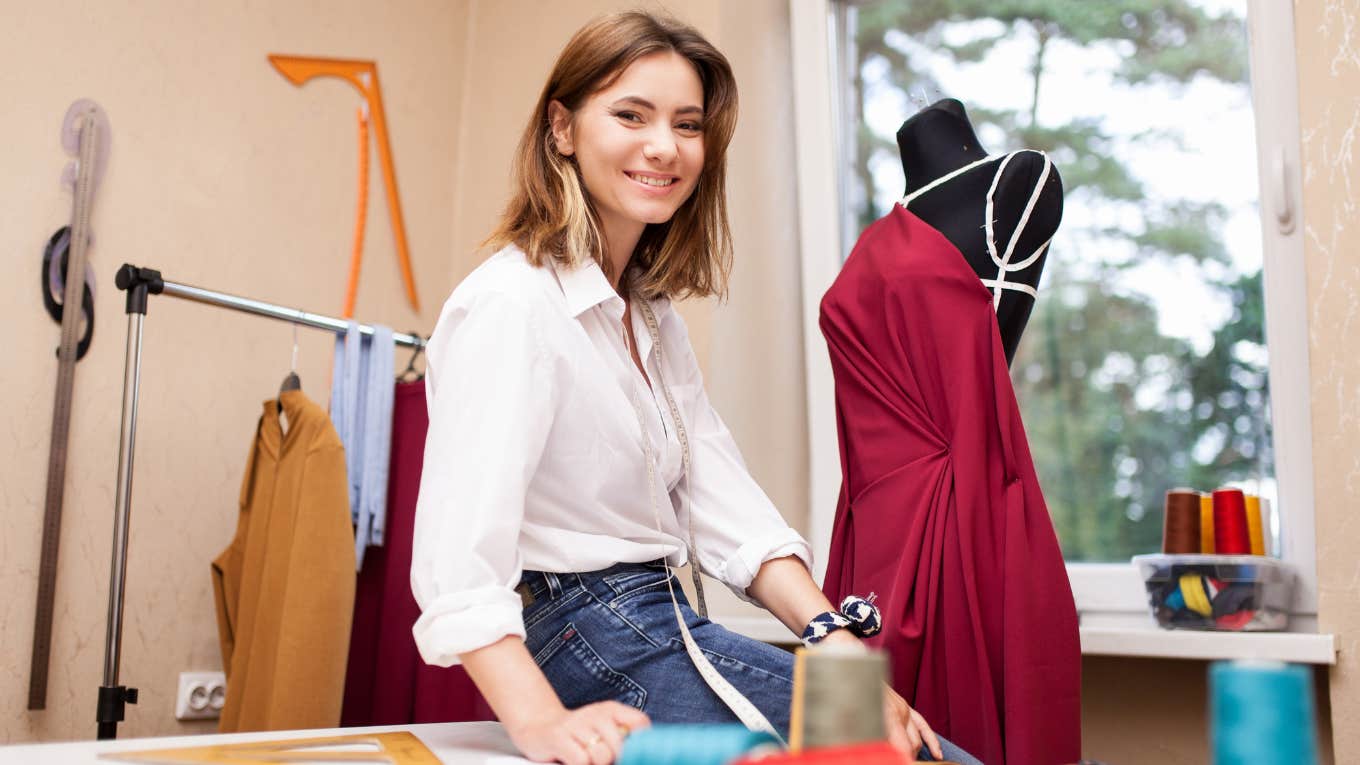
{"x": 284, "y": 587}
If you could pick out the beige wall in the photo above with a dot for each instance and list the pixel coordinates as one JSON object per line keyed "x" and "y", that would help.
{"x": 1329, "y": 103}
{"x": 223, "y": 175}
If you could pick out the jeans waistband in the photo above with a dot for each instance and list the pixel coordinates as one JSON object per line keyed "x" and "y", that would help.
{"x": 539, "y": 585}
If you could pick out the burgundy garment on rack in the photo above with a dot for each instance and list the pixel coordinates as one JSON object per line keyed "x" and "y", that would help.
{"x": 940, "y": 511}
{"x": 387, "y": 683}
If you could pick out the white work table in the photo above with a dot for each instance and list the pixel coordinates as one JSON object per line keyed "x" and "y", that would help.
{"x": 473, "y": 743}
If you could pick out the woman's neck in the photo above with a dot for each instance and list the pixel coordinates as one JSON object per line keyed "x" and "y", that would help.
{"x": 936, "y": 140}
{"x": 620, "y": 240}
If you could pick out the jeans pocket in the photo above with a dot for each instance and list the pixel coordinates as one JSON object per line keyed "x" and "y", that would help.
{"x": 624, "y": 584}
{"x": 578, "y": 674}
{"x": 546, "y": 607}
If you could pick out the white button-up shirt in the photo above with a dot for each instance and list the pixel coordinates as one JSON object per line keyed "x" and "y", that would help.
{"x": 535, "y": 459}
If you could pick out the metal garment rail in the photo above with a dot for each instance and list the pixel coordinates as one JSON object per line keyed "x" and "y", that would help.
{"x": 139, "y": 283}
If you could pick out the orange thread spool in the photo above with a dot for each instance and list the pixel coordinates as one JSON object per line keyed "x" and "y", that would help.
{"x": 1206, "y": 524}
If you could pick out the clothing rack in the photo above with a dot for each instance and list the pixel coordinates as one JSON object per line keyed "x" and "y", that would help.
{"x": 139, "y": 283}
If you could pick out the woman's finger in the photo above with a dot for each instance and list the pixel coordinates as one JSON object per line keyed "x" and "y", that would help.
{"x": 610, "y": 732}
{"x": 630, "y": 718}
{"x": 570, "y": 752}
{"x": 928, "y": 736}
{"x": 897, "y": 736}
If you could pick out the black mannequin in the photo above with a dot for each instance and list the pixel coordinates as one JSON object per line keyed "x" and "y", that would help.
{"x": 938, "y": 140}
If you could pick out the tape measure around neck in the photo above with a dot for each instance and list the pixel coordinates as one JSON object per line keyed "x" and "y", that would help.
{"x": 61, "y": 411}
{"x": 742, "y": 707}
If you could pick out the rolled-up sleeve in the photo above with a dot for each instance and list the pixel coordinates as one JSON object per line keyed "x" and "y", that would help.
{"x": 736, "y": 526}
{"x": 490, "y": 393}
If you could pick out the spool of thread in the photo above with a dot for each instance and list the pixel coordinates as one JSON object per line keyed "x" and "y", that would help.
{"x": 1262, "y": 712}
{"x": 1181, "y": 522}
{"x": 1254, "y": 529}
{"x": 1267, "y": 534}
{"x": 837, "y": 696}
{"x": 694, "y": 745}
{"x": 1230, "y": 523}
{"x": 1206, "y": 524}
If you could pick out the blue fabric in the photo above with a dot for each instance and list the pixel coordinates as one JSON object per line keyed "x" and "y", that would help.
{"x": 362, "y": 390}
{"x": 612, "y": 634}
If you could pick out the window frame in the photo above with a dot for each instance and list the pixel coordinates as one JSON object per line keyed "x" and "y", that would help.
{"x": 1107, "y": 594}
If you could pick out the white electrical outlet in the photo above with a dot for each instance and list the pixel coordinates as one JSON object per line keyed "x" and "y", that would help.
{"x": 201, "y": 695}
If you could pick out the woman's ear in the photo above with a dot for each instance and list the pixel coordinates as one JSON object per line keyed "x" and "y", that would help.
{"x": 559, "y": 119}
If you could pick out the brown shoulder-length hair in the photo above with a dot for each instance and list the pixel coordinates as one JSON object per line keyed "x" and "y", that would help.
{"x": 550, "y": 215}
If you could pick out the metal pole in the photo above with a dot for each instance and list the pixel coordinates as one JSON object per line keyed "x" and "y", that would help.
{"x": 112, "y": 696}
{"x": 261, "y": 308}
{"x": 127, "y": 443}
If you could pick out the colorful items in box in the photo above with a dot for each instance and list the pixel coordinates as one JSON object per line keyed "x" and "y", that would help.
{"x": 1226, "y": 522}
{"x": 1196, "y": 599}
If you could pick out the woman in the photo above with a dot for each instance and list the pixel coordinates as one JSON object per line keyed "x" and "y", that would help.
{"x": 572, "y": 451}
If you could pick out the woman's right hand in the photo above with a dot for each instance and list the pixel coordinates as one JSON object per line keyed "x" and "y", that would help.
{"x": 589, "y": 735}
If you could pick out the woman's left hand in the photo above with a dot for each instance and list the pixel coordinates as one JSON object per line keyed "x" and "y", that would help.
{"x": 907, "y": 729}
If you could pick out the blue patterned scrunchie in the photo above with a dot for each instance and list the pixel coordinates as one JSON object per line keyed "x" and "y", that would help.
{"x": 859, "y": 615}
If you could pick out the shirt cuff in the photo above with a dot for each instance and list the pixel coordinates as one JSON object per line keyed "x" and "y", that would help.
{"x": 465, "y": 621}
{"x": 740, "y": 569}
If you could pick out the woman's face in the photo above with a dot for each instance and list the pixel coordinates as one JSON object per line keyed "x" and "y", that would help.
{"x": 639, "y": 144}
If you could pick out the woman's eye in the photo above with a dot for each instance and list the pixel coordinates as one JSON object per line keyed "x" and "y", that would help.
{"x": 628, "y": 116}
{"x": 690, "y": 127}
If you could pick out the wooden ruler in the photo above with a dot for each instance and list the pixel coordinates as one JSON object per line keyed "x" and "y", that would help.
{"x": 398, "y": 748}
{"x": 87, "y": 123}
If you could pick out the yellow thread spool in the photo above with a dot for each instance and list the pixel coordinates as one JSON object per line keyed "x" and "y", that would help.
{"x": 1206, "y": 524}
{"x": 1258, "y": 541}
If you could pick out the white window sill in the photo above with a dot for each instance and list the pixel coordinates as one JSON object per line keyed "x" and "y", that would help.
{"x": 1149, "y": 642}
{"x": 1299, "y": 647}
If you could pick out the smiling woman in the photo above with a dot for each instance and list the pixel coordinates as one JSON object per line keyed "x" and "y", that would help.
{"x": 664, "y": 85}
{"x": 573, "y": 457}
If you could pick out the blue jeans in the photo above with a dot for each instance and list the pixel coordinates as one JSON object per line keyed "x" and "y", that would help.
{"x": 611, "y": 635}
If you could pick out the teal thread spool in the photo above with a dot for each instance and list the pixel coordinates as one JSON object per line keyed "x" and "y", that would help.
{"x": 1262, "y": 712}
{"x": 693, "y": 745}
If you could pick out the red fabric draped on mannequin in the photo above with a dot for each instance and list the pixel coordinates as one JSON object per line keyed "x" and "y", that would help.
{"x": 941, "y": 513}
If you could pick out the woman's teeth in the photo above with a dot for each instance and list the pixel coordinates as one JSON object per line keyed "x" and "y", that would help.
{"x": 652, "y": 181}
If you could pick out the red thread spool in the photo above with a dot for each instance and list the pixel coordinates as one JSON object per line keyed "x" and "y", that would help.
{"x": 1231, "y": 533}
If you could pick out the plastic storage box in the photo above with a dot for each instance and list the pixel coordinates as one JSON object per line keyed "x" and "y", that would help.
{"x": 1231, "y": 593}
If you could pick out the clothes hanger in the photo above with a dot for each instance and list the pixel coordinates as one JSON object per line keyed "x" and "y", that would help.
{"x": 292, "y": 381}
{"x": 410, "y": 373}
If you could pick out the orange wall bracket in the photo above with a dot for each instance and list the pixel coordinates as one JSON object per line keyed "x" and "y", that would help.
{"x": 363, "y": 75}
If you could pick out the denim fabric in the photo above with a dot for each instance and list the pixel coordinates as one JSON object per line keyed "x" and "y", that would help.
{"x": 611, "y": 635}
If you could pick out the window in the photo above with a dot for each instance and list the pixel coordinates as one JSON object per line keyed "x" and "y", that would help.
{"x": 1144, "y": 365}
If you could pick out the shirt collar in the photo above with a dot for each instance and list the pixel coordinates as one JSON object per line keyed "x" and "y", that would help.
{"x": 585, "y": 286}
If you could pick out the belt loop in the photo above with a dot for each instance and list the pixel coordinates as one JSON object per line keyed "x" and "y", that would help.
{"x": 554, "y": 584}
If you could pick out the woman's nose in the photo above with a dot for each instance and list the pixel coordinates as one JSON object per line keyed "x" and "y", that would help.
{"x": 660, "y": 146}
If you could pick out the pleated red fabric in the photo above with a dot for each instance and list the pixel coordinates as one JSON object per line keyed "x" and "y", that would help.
{"x": 940, "y": 512}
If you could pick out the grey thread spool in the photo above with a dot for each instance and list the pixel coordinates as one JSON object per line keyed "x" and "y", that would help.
{"x": 840, "y": 697}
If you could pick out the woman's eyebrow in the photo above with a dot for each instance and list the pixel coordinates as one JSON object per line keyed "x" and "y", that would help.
{"x": 645, "y": 104}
